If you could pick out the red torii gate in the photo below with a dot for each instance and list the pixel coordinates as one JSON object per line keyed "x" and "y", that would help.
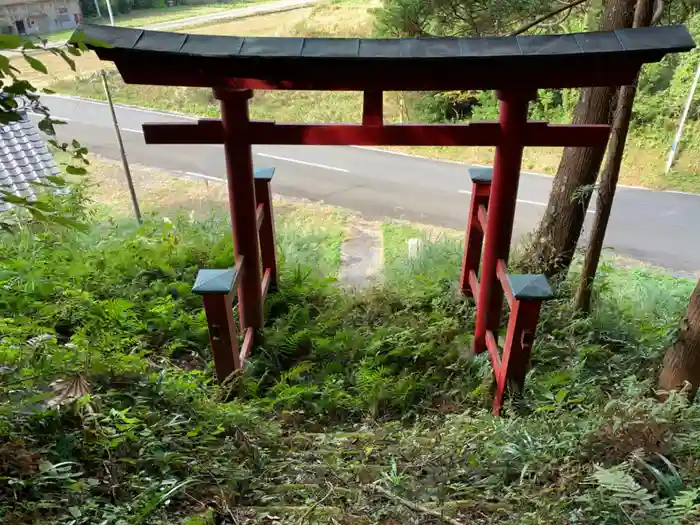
{"x": 513, "y": 66}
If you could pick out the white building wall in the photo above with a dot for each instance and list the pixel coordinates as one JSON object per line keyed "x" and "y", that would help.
{"x": 39, "y": 17}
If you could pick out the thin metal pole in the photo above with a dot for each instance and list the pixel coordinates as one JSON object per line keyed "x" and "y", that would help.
{"x": 125, "y": 162}
{"x": 681, "y": 125}
{"x": 97, "y": 8}
{"x": 109, "y": 10}
{"x": 501, "y": 211}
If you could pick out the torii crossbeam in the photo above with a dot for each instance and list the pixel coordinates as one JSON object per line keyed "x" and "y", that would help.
{"x": 513, "y": 66}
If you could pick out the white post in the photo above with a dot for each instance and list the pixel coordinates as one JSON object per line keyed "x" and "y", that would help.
{"x": 109, "y": 10}
{"x": 97, "y": 8}
{"x": 677, "y": 138}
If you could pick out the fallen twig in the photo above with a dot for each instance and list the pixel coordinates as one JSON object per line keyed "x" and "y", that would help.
{"x": 413, "y": 506}
{"x": 311, "y": 509}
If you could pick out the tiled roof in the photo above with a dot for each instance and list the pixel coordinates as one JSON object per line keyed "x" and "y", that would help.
{"x": 24, "y": 159}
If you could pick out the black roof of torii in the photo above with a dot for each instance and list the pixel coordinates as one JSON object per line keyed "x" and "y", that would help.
{"x": 540, "y": 61}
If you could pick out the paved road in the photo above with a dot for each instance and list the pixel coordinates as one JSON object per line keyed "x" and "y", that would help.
{"x": 657, "y": 227}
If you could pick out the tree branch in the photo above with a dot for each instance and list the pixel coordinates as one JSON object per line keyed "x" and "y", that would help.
{"x": 658, "y": 12}
{"x": 545, "y": 16}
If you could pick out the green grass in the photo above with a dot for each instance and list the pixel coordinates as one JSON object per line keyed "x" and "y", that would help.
{"x": 348, "y": 391}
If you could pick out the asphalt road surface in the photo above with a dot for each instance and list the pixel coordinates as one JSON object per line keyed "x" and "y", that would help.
{"x": 662, "y": 228}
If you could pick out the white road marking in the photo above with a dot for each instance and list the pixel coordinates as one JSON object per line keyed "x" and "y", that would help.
{"x": 525, "y": 201}
{"x": 129, "y": 107}
{"x": 53, "y": 117}
{"x": 139, "y": 131}
{"x": 203, "y": 176}
{"x": 314, "y": 164}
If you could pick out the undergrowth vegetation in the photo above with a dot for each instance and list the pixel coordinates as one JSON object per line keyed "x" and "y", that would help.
{"x": 109, "y": 412}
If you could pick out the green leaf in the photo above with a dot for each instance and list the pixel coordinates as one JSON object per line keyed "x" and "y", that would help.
{"x": 4, "y": 64}
{"x": 70, "y": 223}
{"x": 75, "y": 170}
{"x": 14, "y": 199}
{"x": 36, "y": 64}
{"x": 46, "y": 125}
{"x": 58, "y": 181}
{"x": 75, "y": 512}
{"x": 73, "y": 51}
{"x": 561, "y": 395}
{"x": 10, "y": 41}
{"x": 43, "y": 206}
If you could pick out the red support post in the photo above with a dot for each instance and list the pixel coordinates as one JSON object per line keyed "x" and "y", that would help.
{"x": 475, "y": 236}
{"x": 522, "y": 325}
{"x": 241, "y": 191}
{"x": 222, "y": 333}
{"x": 263, "y": 197}
{"x": 504, "y": 191}
{"x": 373, "y": 108}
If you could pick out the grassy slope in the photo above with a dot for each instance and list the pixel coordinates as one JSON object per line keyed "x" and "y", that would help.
{"x": 643, "y": 163}
{"x": 346, "y": 392}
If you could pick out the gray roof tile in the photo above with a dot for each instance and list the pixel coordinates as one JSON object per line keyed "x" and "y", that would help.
{"x": 24, "y": 159}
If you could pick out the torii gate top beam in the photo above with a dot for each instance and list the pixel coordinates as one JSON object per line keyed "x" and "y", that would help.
{"x": 398, "y": 64}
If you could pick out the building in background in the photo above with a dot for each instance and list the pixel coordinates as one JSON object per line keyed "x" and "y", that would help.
{"x": 32, "y": 17}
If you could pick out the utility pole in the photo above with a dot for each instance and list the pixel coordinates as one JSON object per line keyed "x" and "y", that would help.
{"x": 125, "y": 162}
{"x": 681, "y": 124}
{"x": 118, "y": 133}
{"x": 109, "y": 10}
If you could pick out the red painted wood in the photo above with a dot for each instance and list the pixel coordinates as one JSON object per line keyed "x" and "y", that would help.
{"x": 585, "y": 73}
{"x": 474, "y": 239}
{"x": 373, "y": 108}
{"x": 482, "y": 218}
{"x": 504, "y": 190}
{"x": 517, "y": 350}
{"x": 494, "y": 352}
{"x": 473, "y": 284}
{"x": 222, "y": 334}
{"x": 247, "y": 346}
{"x": 239, "y": 170}
{"x": 263, "y": 196}
{"x": 259, "y": 215}
{"x": 502, "y": 274}
{"x": 474, "y": 134}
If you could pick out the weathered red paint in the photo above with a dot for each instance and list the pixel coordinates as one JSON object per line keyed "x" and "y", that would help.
{"x": 515, "y": 357}
{"x": 587, "y": 73}
{"x": 239, "y": 170}
{"x": 373, "y": 108}
{"x": 266, "y": 232}
{"x": 210, "y": 131}
{"x": 474, "y": 239}
{"x": 222, "y": 334}
{"x": 504, "y": 190}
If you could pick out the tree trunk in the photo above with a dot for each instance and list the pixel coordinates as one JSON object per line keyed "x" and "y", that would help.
{"x": 610, "y": 174}
{"x": 682, "y": 359}
{"x": 555, "y": 240}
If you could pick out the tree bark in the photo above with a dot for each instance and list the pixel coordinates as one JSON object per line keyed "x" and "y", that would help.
{"x": 555, "y": 240}
{"x": 682, "y": 359}
{"x": 610, "y": 174}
